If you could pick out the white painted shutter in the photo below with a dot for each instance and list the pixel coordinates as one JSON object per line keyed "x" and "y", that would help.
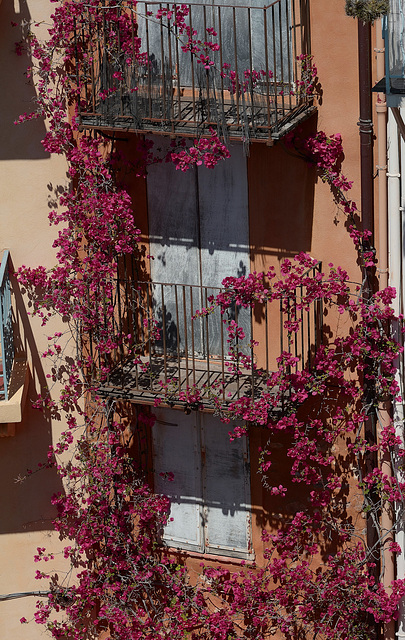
{"x": 176, "y": 446}
{"x": 210, "y": 492}
{"x": 226, "y": 490}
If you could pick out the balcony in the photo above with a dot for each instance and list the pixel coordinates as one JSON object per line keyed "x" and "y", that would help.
{"x": 14, "y": 374}
{"x": 240, "y": 74}
{"x": 176, "y": 355}
{"x": 6, "y": 329}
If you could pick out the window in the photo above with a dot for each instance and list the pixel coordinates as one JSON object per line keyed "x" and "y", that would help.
{"x": 210, "y": 490}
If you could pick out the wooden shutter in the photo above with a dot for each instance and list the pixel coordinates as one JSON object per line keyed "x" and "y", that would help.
{"x": 226, "y": 490}
{"x": 210, "y": 491}
{"x": 177, "y": 450}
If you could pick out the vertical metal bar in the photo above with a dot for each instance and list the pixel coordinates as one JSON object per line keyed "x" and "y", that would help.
{"x": 280, "y": 29}
{"x": 136, "y": 301}
{"x": 315, "y": 323}
{"x": 178, "y": 337}
{"x": 107, "y": 64}
{"x": 148, "y": 60}
{"x": 236, "y": 65}
{"x": 221, "y": 61}
{"x": 274, "y": 64}
{"x": 185, "y": 331}
{"x": 143, "y": 337}
{"x": 306, "y": 37}
{"x": 119, "y": 49}
{"x": 320, "y": 311}
{"x": 134, "y": 70}
{"x": 162, "y": 53}
{"x": 171, "y": 84}
{"x": 295, "y": 51}
{"x": 309, "y": 337}
{"x": 266, "y": 52}
{"x": 222, "y": 358}
{"x": 251, "y": 353}
{"x": 120, "y": 316}
{"x": 207, "y": 71}
{"x": 129, "y": 304}
{"x": 192, "y": 69}
{"x": 295, "y": 332}
{"x": 149, "y": 297}
{"x": 302, "y": 331}
{"x": 178, "y": 72}
{"x": 93, "y": 72}
{"x": 287, "y": 23}
{"x": 164, "y": 332}
{"x": 90, "y": 350}
{"x": 252, "y": 94}
{"x": 77, "y": 70}
{"x": 208, "y": 340}
{"x": 237, "y": 354}
{"x": 192, "y": 331}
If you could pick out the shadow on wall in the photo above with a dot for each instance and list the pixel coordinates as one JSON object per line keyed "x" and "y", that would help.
{"x": 281, "y": 199}
{"x": 25, "y": 500}
{"x": 17, "y": 93}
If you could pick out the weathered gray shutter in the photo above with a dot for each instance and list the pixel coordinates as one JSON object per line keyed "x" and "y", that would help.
{"x": 199, "y": 235}
{"x": 177, "y": 449}
{"x": 226, "y": 490}
{"x": 210, "y": 492}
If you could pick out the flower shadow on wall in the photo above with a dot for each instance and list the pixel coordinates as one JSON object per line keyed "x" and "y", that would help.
{"x": 18, "y": 96}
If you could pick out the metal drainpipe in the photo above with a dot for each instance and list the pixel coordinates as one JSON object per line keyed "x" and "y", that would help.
{"x": 386, "y": 408}
{"x": 366, "y": 127}
{"x": 381, "y": 108}
{"x": 367, "y": 208}
{"x": 366, "y": 174}
{"x": 395, "y": 270}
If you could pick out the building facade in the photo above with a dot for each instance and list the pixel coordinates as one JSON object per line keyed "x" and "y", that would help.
{"x": 263, "y": 204}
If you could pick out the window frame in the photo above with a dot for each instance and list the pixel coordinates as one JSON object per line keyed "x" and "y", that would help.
{"x": 203, "y": 499}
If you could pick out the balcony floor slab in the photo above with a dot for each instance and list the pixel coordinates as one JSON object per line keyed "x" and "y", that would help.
{"x": 184, "y": 381}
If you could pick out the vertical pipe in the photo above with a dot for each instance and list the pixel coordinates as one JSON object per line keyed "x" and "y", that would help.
{"x": 398, "y": 407}
{"x": 367, "y": 218}
{"x": 381, "y": 109}
{"x": 385, "y": 411}
{"x": 366, "y": 126}
{"x": 395, "y": 268}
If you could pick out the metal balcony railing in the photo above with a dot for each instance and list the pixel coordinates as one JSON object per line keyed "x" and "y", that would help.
{"x": 394, "y": 37}
{"x": 244, "y": 78}
{"x": 175, "y": 353}
{"x": 6, "y": 328}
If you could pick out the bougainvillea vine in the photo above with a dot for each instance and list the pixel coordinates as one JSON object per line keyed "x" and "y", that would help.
{"x": 315, "y": 577}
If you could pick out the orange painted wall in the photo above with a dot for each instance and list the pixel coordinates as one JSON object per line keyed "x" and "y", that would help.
{"x": 28, "y": 180}
{"x": 291, "y": 210}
